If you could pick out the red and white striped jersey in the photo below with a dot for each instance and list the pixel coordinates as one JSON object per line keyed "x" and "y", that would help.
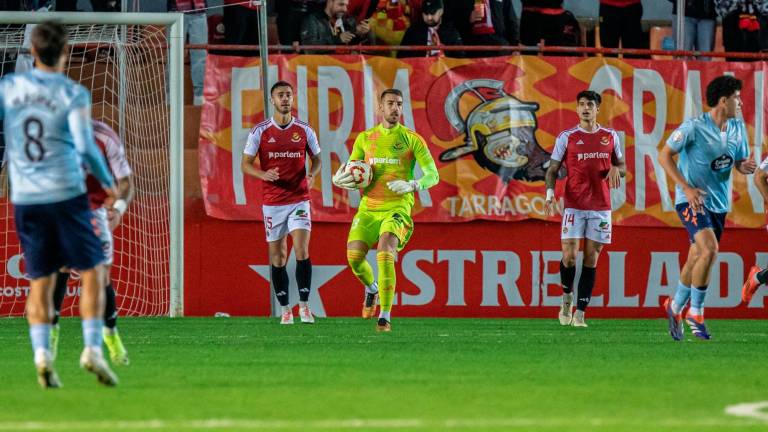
{"x": 112, "y": 148}
{"x": 588, "y": 156}
{"x": 284, "y": 148}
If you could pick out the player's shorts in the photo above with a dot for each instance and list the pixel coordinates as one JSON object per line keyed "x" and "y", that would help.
{"x": 101, "y": 225}
{"x": 279, "y": 220}
{"x": 695, "y": 222}
{"x": 368, "y": 226}
{"x": 57, "y": 235}
{"x": 592, "y": 224}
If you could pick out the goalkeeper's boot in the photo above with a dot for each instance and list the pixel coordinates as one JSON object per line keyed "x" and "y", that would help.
{"x": 383, "y": 325}
{"x": 369, "y": 305}
{"x": 286, "y": 317}
{"x": 306, "y": 315}
{"x": 46, "y": 375}
{"x": 578, "y": 319}
{"x": 674, "y": 321}
{"x": 93, "y": 361}
{"x": 566, "y": 309}
{"x": 117, "y": 352}
{"x": 696, "y": 323}
{"x": 751, "y": 285}
{"x": 53, "y": 341}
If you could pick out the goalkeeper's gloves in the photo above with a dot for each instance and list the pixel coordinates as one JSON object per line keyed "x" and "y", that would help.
{"x": 402, "y": 187}
{"x": 344, "y": 179}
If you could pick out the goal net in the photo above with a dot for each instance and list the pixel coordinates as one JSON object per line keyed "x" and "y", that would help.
{"x": 126, "y": 69}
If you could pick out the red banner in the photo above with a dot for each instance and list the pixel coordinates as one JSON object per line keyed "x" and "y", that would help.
{"x": 490, "y": 124}
{"x": 478, "y": 269}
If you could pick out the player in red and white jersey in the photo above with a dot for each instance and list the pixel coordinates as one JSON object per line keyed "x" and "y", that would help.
{"x": 106, "y": 217}
{"x": 757, "y": 276}
{"x": 276, "y": 153}
{"x": 593, "y": 157}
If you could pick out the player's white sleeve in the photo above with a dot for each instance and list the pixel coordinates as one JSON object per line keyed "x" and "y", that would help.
{"x": 253, "y": 142}
{"x": 560, "y": 144}
{"x": 616, "y": 145}
{"x": 764, "y": 164}
{"x": 118, "y": 163}
{"x": 81, "y": 128}
{"x": 312, "y": 143}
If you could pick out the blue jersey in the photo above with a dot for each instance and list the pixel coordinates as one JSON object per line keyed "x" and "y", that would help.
{"x": 707, "y": 157}
{"x": 48, "y": 137}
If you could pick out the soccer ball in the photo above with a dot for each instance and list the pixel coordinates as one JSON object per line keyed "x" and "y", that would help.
{"x": 361, "y": 172}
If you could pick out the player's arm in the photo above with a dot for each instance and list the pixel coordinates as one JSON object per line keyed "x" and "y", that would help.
{"x": 550, "y": 177}
{"x": 618, "y": 164}
{"x": 744, "y": 164}
{"x": 426, "y": 162}
{"x": 344, "y": 179}
{"x": 761, "y": 181}
{"x": 81, "y": 128}
{"x": 313, "y": 148}
{"x": 250, "y": 166}
{"x": 676, "y": 142}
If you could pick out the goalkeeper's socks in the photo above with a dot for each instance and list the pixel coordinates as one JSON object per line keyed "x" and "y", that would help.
{"x": 762, "y": 276}
{"x": 682, "y": 294}
{"x": 567, "y": 274}
{"x": 92, "y": 335}
{"x": 40, "y": 335}
{"x": 387, "y": 279}
{"x": 385, "y": 315}
{"x": 698, "y": 294}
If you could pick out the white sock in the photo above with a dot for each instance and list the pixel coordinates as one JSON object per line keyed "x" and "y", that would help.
{"x": 385, "y": 315}
{"x": 303, "y": 304}
{"x": 372, "y": 288}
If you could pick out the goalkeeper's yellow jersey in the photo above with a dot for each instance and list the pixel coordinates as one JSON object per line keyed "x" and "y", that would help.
{"x": 393, "y": 154}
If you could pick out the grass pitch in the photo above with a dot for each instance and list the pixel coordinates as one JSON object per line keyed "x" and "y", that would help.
{"x": 427, "y": 375}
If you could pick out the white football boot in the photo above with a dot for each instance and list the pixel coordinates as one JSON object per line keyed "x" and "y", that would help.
{"x": 578, "y": 319}
{"x": 46, "y": 375}
{"x": 566, "y": 309}
{"x": 93, "y": 361}
{"x": 306, "y": 315}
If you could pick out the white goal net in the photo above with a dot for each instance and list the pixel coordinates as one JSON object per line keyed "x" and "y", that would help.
{"x": 126, "y": 69}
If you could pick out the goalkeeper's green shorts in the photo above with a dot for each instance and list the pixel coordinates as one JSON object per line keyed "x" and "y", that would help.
{"x": 368, "y": 226}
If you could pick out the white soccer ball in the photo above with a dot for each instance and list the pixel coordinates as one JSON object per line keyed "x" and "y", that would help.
{"x": 361, "y": 172}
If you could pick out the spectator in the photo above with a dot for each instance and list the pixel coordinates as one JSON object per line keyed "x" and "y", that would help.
{"x": 241, "y": 25}
{"x": 620, "y": 20}
{"x": 485, "y": 22}
{"x": 290, "y": 14}
{"x": 332, "y": 26}
{"x": 431, "y": 31}
{"x": 390, "y": 20}
{"x": 364, "y": 9}
{"x": 547, "y": 20}
{"x": 196, "y": 31}
{"x": 744, "y": 25}
{"x": 699, "y": 30}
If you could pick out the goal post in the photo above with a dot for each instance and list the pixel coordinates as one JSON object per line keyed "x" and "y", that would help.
{"x": 163, "y": 206}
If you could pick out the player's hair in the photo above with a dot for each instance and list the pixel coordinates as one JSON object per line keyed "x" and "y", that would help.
{"x": 722, "y": 86}
{"x": 280, "y": 84}
{"x": 49, "y": 39}
{"x": 590, "y": 96}
{"x": 390, "y": 91}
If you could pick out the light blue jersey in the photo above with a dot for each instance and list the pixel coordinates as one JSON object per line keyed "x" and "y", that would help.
{"x": 48, "y": 137}
{"x": 707, "y": 157}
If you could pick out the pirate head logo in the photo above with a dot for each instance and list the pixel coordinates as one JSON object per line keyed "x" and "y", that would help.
{"x": 499, "y": 132}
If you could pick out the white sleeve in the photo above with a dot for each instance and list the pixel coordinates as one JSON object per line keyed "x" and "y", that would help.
{"x": 616, "y": 145}
{"x": 312, "y": 143}
{"x": 559, "y": 151}
{"x": 764, "y": 164}
{"x": 118, "y": 163}
{"x": 252, "y": 144}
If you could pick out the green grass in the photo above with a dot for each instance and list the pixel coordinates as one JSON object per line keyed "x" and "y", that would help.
{"x": 427, "y": 375}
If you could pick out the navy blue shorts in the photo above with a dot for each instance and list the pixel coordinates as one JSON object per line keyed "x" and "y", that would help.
{"x": 56, "y": 235}
{"x": 695, "y": 222}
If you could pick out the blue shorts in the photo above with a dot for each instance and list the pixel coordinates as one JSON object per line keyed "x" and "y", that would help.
{"x": 56, "y": 235}
{"x": 695, "y": 222}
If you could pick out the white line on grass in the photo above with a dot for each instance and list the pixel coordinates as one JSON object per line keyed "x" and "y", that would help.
{"x": 359, "y": 424}
{"x": 752, "y": 410}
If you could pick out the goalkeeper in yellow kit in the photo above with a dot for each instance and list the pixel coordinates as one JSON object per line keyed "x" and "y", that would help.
{"x": 384, "y": 216}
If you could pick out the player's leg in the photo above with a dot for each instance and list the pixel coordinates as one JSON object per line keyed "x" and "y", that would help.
{"x": 572, "y": 230}
{"x": 597, "y": 234}
{"x": 395, "y": 231}
{"x": 59, "y": 292}
{"x": 276, "y": 226}
{"x": 707, "y": 247}
{"x": 38, "y": 239}
{"x": 82, "y": 251}
{"x": 363, "y": 233}
{"x": 300, "y": 227}
{"x": 755, "y": 279}
{"x": 117, "y": 352}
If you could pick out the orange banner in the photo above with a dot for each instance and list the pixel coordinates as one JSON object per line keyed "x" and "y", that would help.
{"x": 490, "y": 123}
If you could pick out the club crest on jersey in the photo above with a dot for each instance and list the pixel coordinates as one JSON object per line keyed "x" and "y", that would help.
{"x": 295, "y": 137}
{"x": 398, "y": 146}
{"x": 721, "y": 163}
{"x": 605, "y": 140}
